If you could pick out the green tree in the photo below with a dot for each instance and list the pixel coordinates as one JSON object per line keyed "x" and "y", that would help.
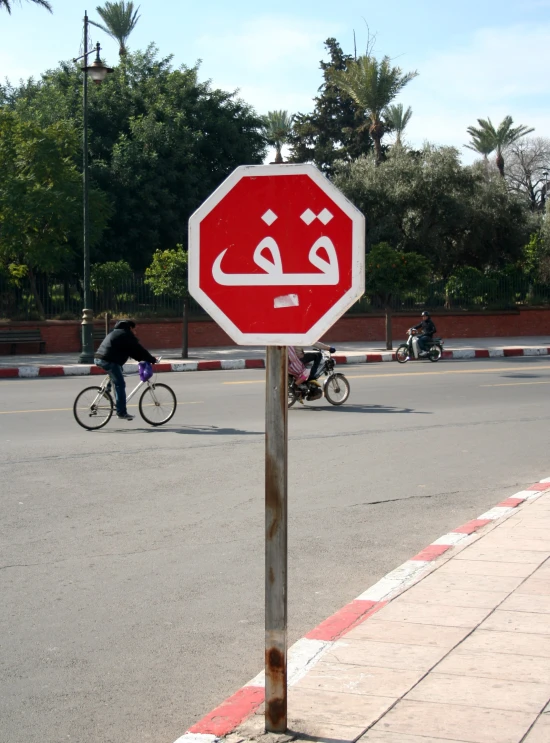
{"x": 481, "y": 143}
{"x": 168, "y": 275}
{"x": 503, "y": 136}
{"x": 373, "y": 85}
{"x": 397, "y": 120}
{"x": 277, "y": 131}
{"x": 6, "y": 4}
{"x": 428, "y": 203}
{"x": 160, "y": 142}
{"x": 335, "y": 129}
{"x": 40, "y": 198}
{"x": 119, "y": 20}
{"x": 390, "y": 273}
{"x": 107, "y": 279}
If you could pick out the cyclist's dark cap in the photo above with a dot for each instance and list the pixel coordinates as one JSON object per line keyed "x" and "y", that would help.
{"x": 425, "y": 314}
{"x": 125, "y": 325}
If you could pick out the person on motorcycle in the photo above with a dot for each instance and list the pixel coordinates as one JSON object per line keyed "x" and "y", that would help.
{"x": 428, "y": 330}
{"x": 297, "y": 359}
{"x": 306, "y": 357}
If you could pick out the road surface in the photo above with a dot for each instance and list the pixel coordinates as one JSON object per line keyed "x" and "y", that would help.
{"x": 131, "y": 559}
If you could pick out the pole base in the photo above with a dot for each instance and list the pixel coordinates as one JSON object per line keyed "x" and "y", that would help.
{"x": 87, "y": 353}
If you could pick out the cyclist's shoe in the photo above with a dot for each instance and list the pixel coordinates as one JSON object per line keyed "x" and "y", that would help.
{"x": 126, "y": 417}
{"x": 301, "y": 400}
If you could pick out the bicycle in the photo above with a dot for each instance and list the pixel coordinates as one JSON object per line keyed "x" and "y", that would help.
{"x": 94, "y": 406}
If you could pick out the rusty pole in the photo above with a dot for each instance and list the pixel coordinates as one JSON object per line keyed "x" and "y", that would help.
{"x": 276, "y": 526}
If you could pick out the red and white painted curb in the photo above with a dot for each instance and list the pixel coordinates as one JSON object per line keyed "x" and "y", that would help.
{"x": 307, "y": 651}
{"x": 82, "y": 370}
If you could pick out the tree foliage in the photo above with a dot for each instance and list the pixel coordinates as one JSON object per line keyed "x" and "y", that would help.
{"x": 335, "y": 130}
{"x": 278, "y": 130}
{"x": 373, "y": 85}
{"x": 428, "y": 203}
{"x": 391, "y": 273}
{"x": 167, "y": 273}
{"x": 498, "y": 138}
{"x": 7, "y": 4}
{"x": 119, "y": 20}
{"x": 160, "y": 142}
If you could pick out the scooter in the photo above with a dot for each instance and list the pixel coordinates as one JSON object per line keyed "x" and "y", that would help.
{"x": 411, "y": 349}
{"x": 335, "y": 387}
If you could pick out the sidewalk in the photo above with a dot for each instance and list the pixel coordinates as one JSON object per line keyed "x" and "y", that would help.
{"x": 247, "y": 357}
{"x": 452, "y": 646}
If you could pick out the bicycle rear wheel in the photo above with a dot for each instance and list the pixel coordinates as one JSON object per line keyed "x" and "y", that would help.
{"x": 93, "y": 408}
{"x": 157, "y": 404}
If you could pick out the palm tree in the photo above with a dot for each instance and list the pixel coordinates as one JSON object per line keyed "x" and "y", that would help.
{"x": 397, "y": 119}
{"x": 120, "y": 19}
{"x": 277, "y": 130}
{"x": 7, "y": 5}
{"x": 372, "y": 85}
{"x": 499, "y": 138}
{"x": 481, "y": 143}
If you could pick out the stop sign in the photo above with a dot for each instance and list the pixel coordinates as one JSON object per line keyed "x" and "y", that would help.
{"x": 276, "y": 255}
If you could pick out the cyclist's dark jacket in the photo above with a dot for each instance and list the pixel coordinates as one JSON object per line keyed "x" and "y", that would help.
{"x": 121, "y": 344}
{"x": 427, "y": 326}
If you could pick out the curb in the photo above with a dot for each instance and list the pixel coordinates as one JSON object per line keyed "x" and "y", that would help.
{"x": 28, "y": 372}
{"x": 307, "y": 651}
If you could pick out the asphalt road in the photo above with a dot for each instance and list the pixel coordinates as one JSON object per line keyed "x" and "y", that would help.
{"x": 131, "y": 559}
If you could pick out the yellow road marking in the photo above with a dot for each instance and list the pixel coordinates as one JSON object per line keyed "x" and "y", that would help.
{"x": 399, "y": 374}
{"x": 65, "y": 410}
{"x": 513, "y": 384}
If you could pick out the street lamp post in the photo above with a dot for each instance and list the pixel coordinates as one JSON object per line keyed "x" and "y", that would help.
{"x": 96, "y": 72}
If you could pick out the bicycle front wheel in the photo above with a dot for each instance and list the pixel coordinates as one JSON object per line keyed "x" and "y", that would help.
{"x": 93, "y": 408}
{"x": 337, "y": 389}
{"x": 157, "y": 404}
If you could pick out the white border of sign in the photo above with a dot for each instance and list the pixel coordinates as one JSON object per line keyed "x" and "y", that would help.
{"x": 337, "y": 310}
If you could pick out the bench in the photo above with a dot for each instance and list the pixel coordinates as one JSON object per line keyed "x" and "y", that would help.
{"x": 15, "y": 337}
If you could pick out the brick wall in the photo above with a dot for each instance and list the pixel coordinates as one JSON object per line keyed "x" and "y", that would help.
{"x": 64, "y": 336}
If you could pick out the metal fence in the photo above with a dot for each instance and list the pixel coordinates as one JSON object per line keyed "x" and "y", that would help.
{"x": 62, "y": 299}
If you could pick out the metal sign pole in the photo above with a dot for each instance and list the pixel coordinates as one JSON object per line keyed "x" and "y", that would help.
{"x": 276, "y": 538}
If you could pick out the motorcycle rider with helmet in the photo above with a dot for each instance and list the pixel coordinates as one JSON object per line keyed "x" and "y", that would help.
{"x": 428, "y": 329}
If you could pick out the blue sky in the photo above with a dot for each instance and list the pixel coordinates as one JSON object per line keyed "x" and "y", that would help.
{"x": 475, "y": 59}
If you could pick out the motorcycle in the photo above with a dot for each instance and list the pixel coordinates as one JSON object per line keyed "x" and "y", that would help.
{"x": 411, "y": 349}
{"x": 335, "y": 387}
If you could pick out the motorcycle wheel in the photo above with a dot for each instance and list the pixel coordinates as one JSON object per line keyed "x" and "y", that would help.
{"x": 434, "y": 354}
{"x": 337, "y": 389}
{"x": 292, "y": 397}
{"x": 402, "y": 354}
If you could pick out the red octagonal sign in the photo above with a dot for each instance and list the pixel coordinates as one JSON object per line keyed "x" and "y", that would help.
{"x": 276, "y": 255}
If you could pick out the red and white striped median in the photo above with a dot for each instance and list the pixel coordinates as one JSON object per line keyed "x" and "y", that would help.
{"x": 307, "y": 652}
{"x": 82, "y": 370}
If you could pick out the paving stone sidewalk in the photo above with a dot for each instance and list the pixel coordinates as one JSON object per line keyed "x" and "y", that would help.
{"x": 462, "y": 655}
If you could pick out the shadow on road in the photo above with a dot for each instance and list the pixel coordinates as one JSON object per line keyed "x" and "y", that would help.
{"x": 359, "y": 409}
{"x": 190, "y": 430}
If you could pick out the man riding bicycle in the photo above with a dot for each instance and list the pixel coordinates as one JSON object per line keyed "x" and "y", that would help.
{"x": 113, "y": 353}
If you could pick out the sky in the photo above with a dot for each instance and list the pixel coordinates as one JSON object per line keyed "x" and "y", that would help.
{"x": 484, "y": 58}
